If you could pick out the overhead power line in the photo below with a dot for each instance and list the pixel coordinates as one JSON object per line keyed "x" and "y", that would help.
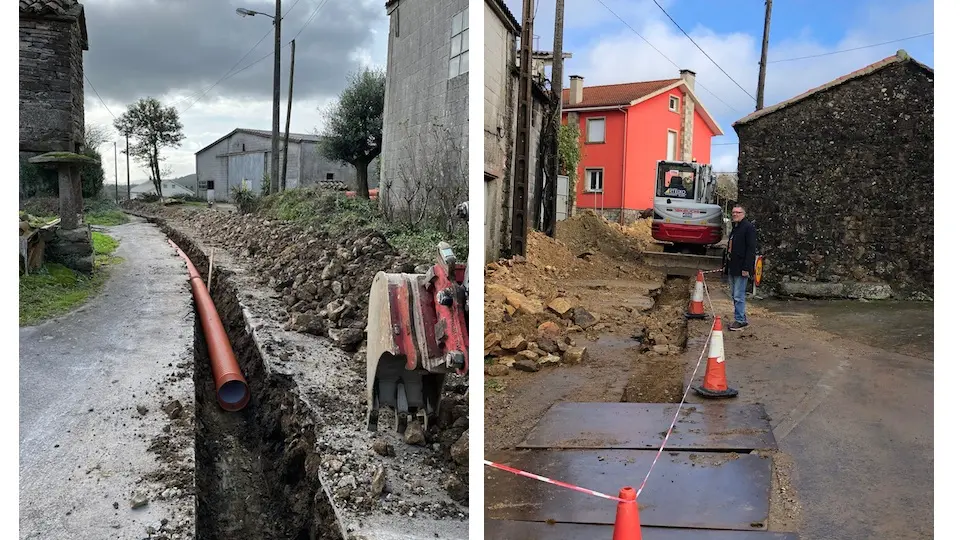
{"x": 98, "y": 96}
{"x": 230, "y": 73}
{"x": 701, "y": 85}
{"x": 853, "y": 49}
{"x": 309, "y": 20}
{"x": 751, "y": 96}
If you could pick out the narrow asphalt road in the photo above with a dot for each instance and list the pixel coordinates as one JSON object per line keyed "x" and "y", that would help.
{"x": 849, "y": 389}
{"x": 83, "y": 442}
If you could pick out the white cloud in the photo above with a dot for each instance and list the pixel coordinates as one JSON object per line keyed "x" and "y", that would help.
{"x": 614, "y": 53}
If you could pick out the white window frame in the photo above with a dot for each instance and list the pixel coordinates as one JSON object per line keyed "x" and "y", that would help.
{"x": 670, "y": 103}
{"x": 588, "y": 184}
{"x": 676, "y": 144}
{"x": 602, "y": 119}
{"x": 459, "y": 45}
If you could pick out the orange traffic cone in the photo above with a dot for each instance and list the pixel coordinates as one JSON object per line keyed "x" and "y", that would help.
{"x": 715, "y": 379}
{"x": 627, "y": 525}
{"x": 695, "y": 311}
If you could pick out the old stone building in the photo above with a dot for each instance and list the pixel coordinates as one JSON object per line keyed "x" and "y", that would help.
{"x": 426, "y": 109}
{"x": 501, "y": 82}
{"x": 53, "y": 36}
{"x": 839, "y": 181}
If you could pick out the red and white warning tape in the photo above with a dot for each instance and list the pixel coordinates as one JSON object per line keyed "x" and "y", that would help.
{"x": 663, "y": 445}
{"x": 552, "y": 481}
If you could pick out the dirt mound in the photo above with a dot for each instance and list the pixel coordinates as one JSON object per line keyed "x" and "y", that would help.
{"x": 590, "y": 232}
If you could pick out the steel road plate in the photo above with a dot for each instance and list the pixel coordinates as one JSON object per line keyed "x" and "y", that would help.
{"x": 710, "y": 426}
{"x": 529, "y": 530}
{"x": 686, "y": 489}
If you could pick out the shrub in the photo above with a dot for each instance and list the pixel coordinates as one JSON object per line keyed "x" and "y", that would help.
{"x": 244, "y": 199}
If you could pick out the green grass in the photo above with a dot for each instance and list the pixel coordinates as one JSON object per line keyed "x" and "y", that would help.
{"x": 56, "y": 290}
{"x": 336, "y": 213}
{"x": 106, "y": 218}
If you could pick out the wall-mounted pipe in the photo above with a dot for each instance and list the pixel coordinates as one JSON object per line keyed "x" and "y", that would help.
{"x": 232, "y": 391}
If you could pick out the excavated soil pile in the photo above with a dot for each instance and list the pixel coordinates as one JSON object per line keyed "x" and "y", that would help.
{"x": 590, "y": 232}
{"x": 539, "y": 309}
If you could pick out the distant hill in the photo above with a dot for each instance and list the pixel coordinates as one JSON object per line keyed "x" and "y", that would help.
{"x": 189, "y": 181}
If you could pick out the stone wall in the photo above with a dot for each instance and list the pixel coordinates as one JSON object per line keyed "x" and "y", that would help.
{"x": 840, "y": 185}
{"x": 51, "y": 85}
{"x": 426, "y": 111}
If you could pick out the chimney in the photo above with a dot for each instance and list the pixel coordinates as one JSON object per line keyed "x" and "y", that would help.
{"x": 576, "y": 89}
{"x": 689, "y": 77}
{"x": 686, "y": 131}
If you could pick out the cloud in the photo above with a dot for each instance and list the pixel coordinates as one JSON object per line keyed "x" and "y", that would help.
{"x": 176, "y": 49}
{"x": 606, "y": 51}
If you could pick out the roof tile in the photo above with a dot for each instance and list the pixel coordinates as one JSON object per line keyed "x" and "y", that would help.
{"x": 616, "y": 94}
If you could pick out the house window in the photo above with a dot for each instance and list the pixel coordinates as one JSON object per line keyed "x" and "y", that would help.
{"x": 594, "y": 180}
{"x": 671, "y": 145}
{"x": 596, "y": 128}
{"x": 674, "y": 104}
{"x": 459, "y": 45}
{"x": 329, "y": 176}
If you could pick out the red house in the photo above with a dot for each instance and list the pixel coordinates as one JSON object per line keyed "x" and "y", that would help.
{"x": 625, "y": 129}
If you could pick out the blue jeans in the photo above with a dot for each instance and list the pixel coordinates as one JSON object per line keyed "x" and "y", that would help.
{"x": 738, "y": 291}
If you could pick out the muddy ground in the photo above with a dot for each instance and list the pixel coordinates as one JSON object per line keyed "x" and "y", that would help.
{"x": 632, "y": 348}
{"x": 636, "y": 350}
{"x": 302, "y": 442}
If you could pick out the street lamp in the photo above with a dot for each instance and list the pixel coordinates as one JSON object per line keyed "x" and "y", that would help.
{"x": 244, "y": 12}
{"x": 275, "y": 139}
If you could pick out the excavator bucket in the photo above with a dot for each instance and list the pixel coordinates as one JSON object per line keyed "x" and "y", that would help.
{"x": 401, "y": 347}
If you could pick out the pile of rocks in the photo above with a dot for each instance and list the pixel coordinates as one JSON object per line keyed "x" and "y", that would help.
{"x": 549, "y": 345}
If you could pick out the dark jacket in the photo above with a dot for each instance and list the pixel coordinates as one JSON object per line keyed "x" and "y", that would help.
{"x": 741, "y": 249}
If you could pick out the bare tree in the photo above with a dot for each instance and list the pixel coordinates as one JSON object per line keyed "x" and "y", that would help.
{"x": 95, "y": 136}
{"x": 431, "y": 178}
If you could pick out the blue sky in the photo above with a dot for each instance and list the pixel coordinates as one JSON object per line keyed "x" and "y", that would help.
{"x": 606, "y": 51}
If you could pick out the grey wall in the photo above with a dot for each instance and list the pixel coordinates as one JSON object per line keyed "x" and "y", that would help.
{"x": 840, "y": 185}
{"x": 51, "y": 85}
{"x": 423, "y": 103}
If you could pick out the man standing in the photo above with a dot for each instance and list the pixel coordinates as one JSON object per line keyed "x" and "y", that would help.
{"x": 741, "y": 257}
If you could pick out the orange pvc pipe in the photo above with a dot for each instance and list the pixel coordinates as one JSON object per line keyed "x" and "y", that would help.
{"x": 232, "y": 391}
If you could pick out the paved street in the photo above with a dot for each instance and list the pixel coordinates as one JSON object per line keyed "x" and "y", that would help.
{"x": 83, "y": 443}
{"x": 853, "y": 408}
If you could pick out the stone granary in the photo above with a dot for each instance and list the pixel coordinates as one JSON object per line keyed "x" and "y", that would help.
{"x": 53, "y": 36}
{"x": 839, "y": 181}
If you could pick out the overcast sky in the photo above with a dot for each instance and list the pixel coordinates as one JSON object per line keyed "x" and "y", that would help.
{"x": 175, "y": 49}
{"x": 606, "y": 50}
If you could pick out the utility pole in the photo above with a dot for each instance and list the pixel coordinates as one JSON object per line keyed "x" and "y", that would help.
{"x": 128, "y": 164}
{"x": 275, "y": 142}
{"x": 553, "y": 156}
{"x": 116, "y": 179}
{"x": 521, "y": 170}
{"x": 763, "y": 55}
{"x": 286, "y": 135}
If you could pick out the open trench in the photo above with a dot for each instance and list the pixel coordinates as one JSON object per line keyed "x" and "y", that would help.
{"x": 256, "y": 468}
{"x": 655, "y": 378}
